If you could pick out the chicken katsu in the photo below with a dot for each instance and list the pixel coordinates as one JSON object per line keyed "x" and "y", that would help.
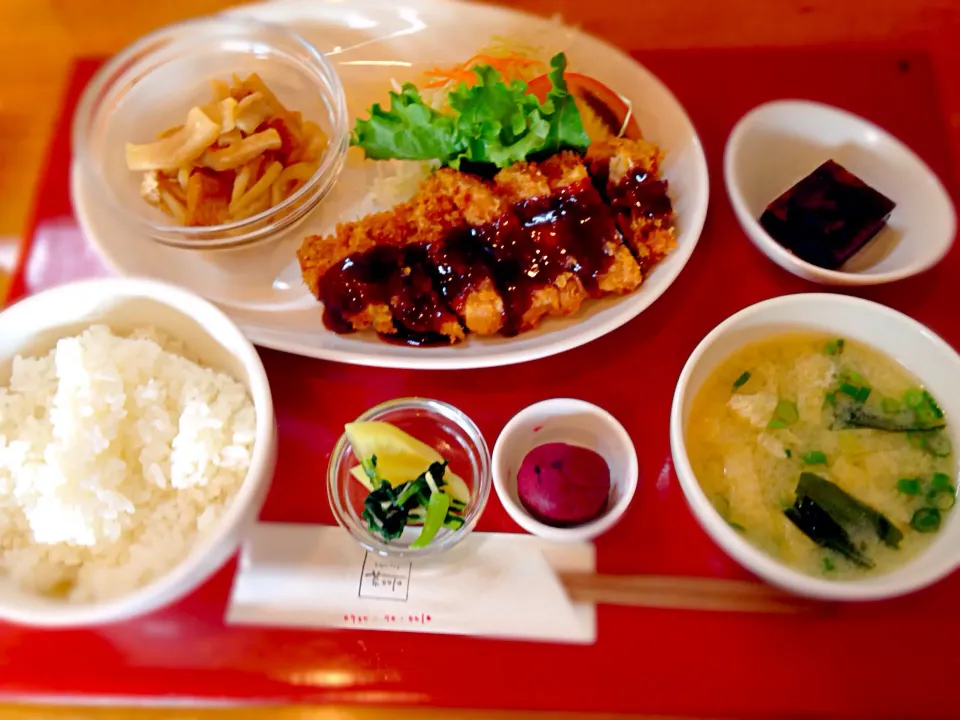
{"x": 497, "y": 255}
{"x": 627, "y": 172}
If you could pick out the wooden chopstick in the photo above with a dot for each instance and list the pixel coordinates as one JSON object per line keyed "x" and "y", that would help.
{"x": 681, "y": 593}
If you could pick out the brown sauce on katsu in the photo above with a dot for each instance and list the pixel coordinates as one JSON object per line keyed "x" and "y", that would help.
{"x": 393, "y": 276}
{"x": 359, "y": 281}
{"x": 546, "y": 237}
{"x": 419, "y": 314}
{"x": 593, "y": 226}
{"x": 459, "y": 265}
{"x": 642, "y": 192}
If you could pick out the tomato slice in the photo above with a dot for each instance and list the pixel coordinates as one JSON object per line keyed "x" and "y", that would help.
{"x": 603, "y": 111}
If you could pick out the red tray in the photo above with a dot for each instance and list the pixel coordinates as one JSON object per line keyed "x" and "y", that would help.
{"x": 892, "y": 659}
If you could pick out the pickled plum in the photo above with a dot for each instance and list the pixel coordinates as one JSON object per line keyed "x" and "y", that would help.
{"x": 563, "y": 485}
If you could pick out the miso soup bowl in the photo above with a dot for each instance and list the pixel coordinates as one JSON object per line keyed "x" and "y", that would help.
{"x": 915, "y": 347}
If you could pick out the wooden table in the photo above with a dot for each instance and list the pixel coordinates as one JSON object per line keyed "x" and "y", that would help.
{"x": 38, "y": 40}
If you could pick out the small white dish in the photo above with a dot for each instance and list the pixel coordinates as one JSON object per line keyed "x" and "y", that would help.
{"x": 33, "y": 326}
{"x": 777, "y": 144}
{"x": 575, "y": 422}
{"x": 905, "y": 340}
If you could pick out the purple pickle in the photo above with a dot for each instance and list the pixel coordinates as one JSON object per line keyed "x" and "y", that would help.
{"x": 563, "y": 485}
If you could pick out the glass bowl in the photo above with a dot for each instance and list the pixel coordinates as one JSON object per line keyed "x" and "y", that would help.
{"x": 151, "y": 85}
{"x": 449, "y": 432}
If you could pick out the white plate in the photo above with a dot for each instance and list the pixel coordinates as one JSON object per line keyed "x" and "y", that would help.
{"x": 370, "y": 42}
{"x": 778, "y": 143}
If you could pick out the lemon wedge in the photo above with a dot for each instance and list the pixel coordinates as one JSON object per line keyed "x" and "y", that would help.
{"x": 400, "y": 456}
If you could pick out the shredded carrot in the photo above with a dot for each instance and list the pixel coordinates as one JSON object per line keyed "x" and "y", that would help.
{"x": 511, "y": 66}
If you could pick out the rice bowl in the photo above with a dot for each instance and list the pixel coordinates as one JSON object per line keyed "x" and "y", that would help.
{"x": 128, "y": 472}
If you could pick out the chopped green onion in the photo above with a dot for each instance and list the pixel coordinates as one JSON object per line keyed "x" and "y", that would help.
{"x": 742, "y": 380}
{"x": 940, "y": 485}
{"x": 908, "y": 486}
{"x": 828, "y": 564}
{"x": 941, "y": 498}
{"x": 852, "y": 377}
{"x": 848, "y": 389}
{"x": 890, "y": 405}
{"x": 776, "y": 424}
{"x": 913, "y": 398}
{"x": 788, "y": 453}
{"x": 835, "y": 347}
{"x": 863, "y": 393}
{"x": 736, "y": 526}
{"x": 941, "y": 481}
{"x": 830, "y": 399}
{"x": 814, "y": 457}
{"x": 926, "y": 520}
{"x": 936, "y": 443}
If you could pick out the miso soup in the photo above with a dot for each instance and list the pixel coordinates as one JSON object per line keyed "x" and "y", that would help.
{"x": 825, "y": 453}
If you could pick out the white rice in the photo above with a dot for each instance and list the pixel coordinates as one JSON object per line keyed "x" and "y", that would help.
{"x": 116, "y": 455}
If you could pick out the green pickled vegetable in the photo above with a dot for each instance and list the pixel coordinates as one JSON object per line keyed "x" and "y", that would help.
{"x": 388, "y": 510}
{"x": 437, "y": 508}
{"x": 814, "y": 457}
{"x": 369, "y": 466}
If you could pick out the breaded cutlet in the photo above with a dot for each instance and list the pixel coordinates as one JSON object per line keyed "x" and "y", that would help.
{"x": 448, "y": 204}
{"x": 563, "y": 293}
{"x": 383, "y": 290}
{"x": 566, "y": 173}
{"x": 651, "y": 236}
{"x": 318, "y": 254}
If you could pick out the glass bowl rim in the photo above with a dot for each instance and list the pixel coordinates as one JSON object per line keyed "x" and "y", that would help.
{"x": 104, "y": 80}
{"x": 482, "y": 484}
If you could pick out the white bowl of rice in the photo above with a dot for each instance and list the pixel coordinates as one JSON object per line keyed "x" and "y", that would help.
{"x": 137, "y": 443}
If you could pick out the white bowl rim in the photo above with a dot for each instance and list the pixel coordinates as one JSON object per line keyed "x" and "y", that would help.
{"x": 162, "y": 590}
{"x": 730, "y": 541}
{"x": 592, "y": 529}
{"x": 759, "y": 235}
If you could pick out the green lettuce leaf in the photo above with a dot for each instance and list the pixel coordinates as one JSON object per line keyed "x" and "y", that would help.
{"x": 566, "y": 126}
{"x": 409, "y": 130}
{"x": 490, "y": 122}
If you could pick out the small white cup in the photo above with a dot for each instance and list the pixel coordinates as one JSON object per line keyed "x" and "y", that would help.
{"x": 574, "y": 422}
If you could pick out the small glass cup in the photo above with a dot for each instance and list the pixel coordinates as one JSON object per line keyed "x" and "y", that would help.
{"x": 441, "y": 426}
{"x": 151, "y": 85}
